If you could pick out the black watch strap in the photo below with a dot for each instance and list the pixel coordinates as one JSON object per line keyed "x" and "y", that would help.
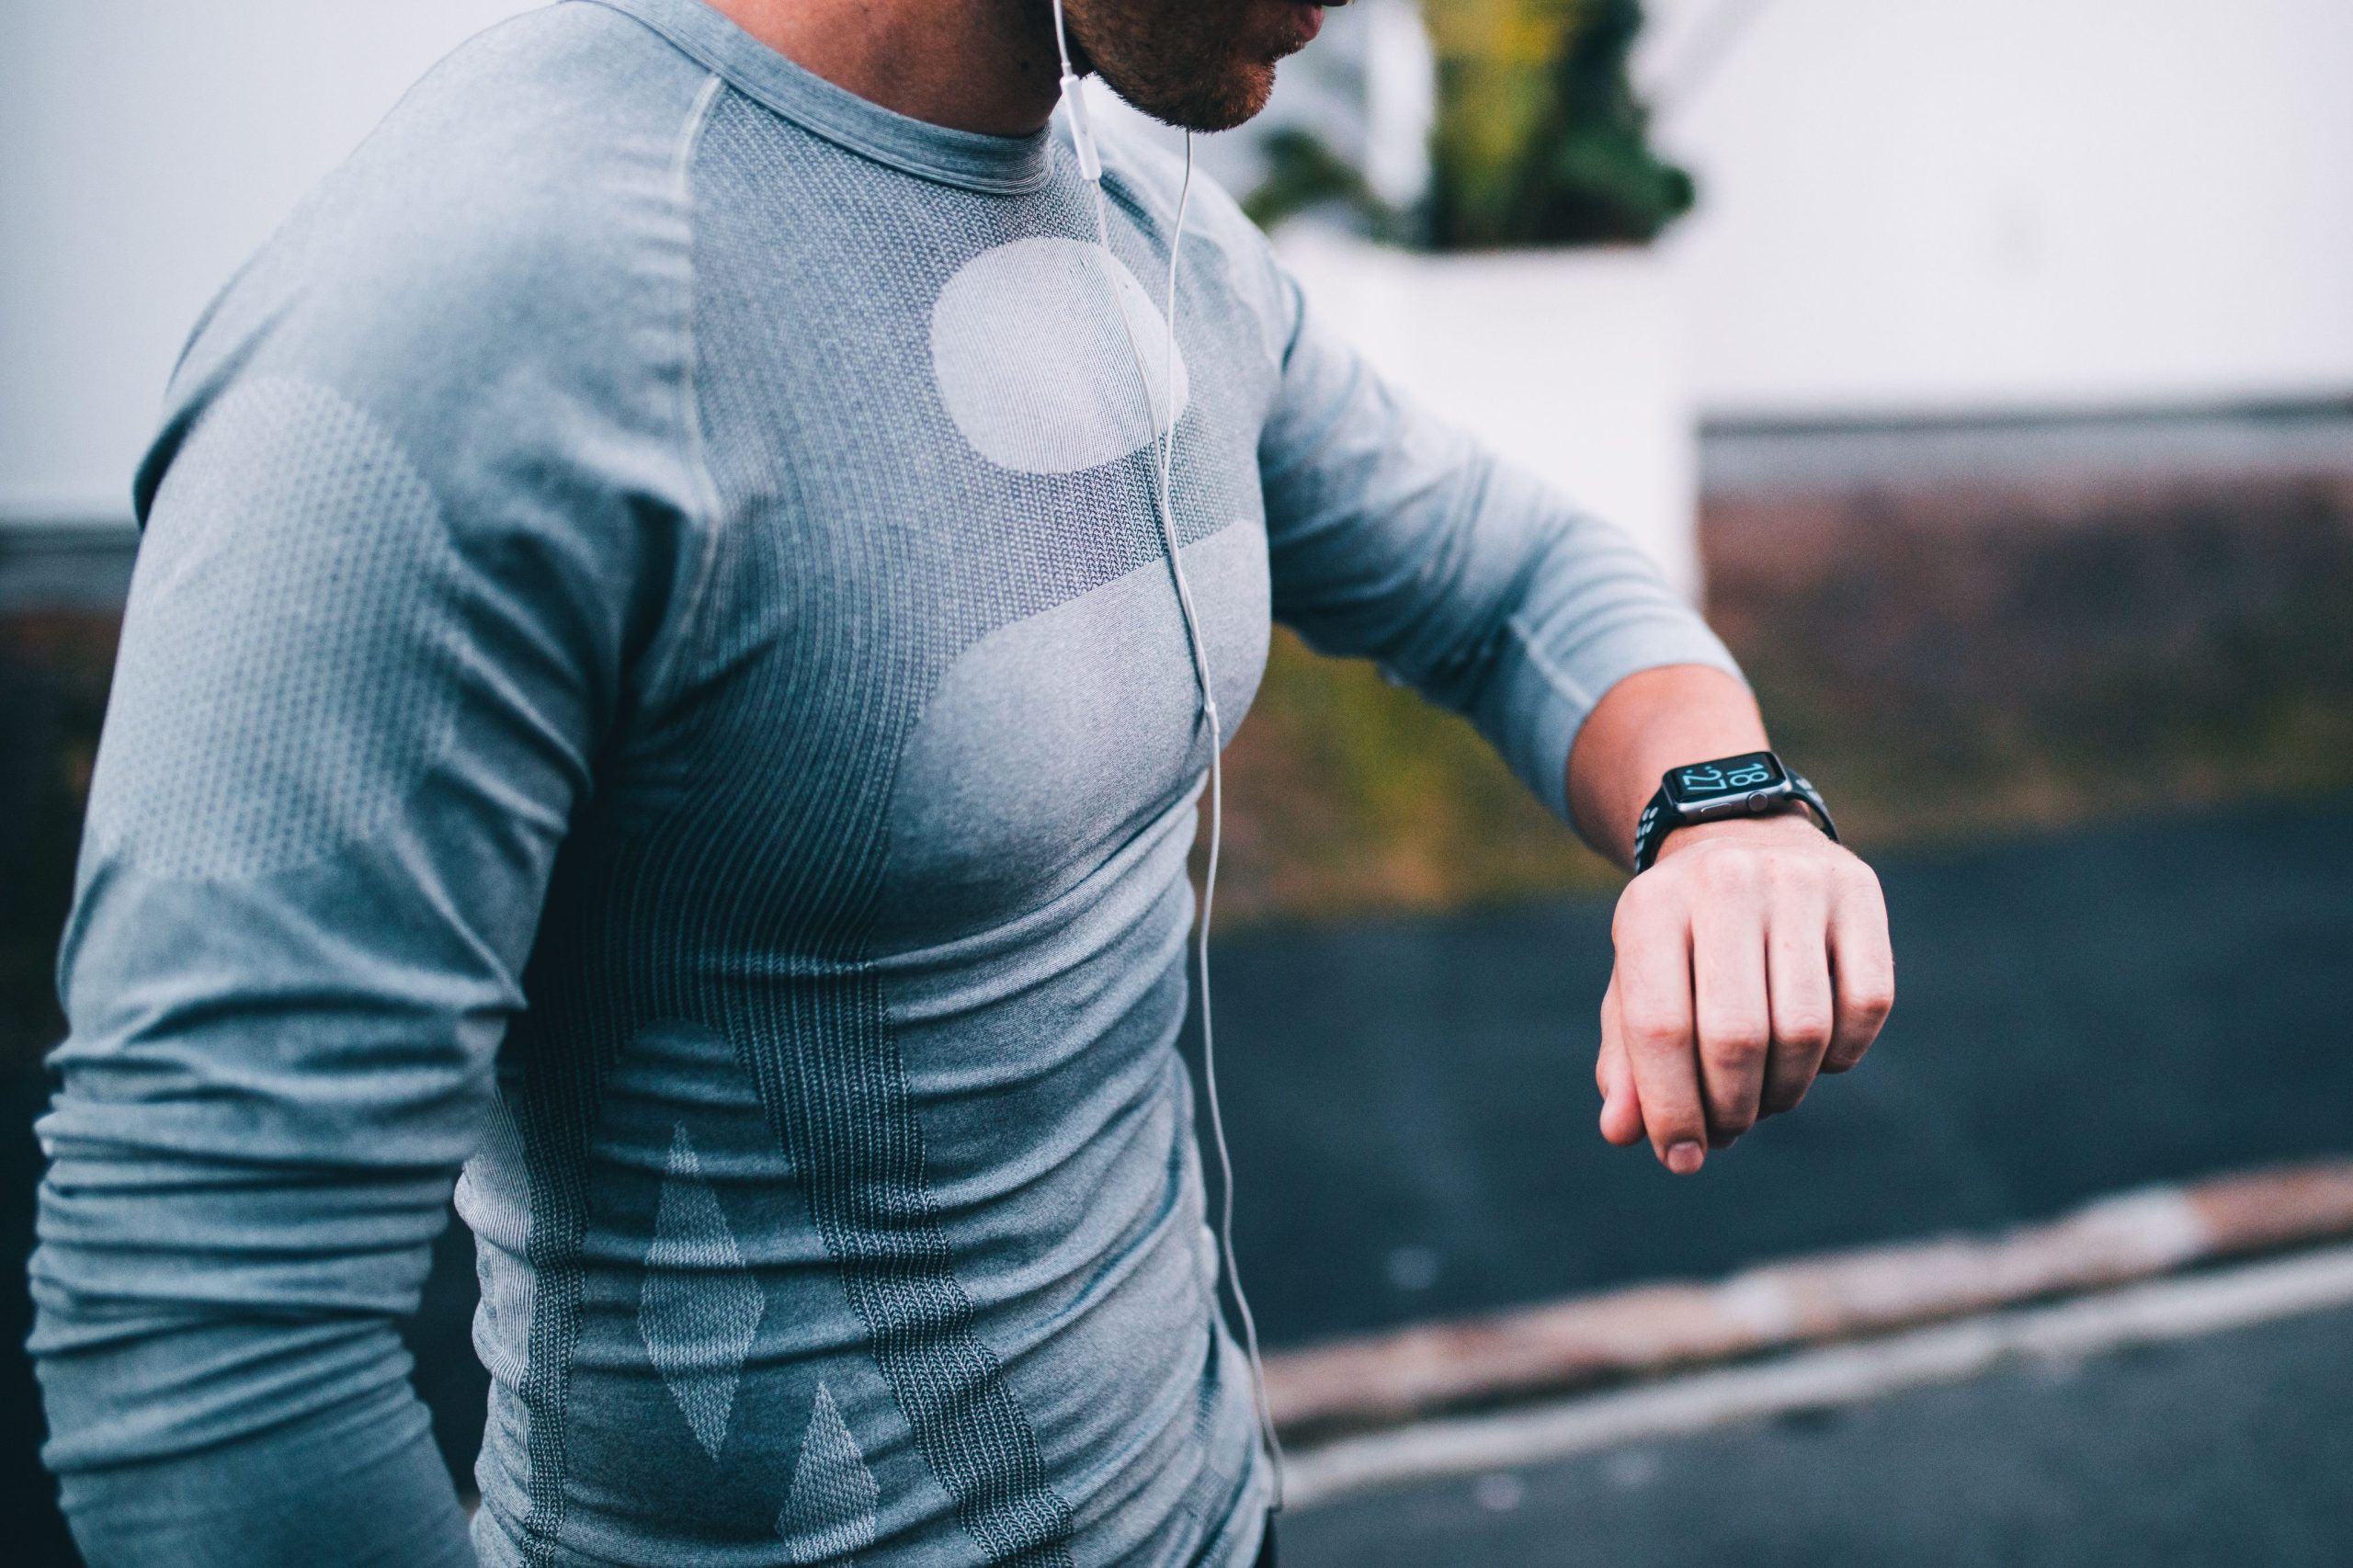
{"x": 1803, "y": 789}
{"x": 1660, "y": 818}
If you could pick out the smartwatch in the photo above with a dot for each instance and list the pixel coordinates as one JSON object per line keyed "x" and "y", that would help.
{"x": 1748, "y": 785}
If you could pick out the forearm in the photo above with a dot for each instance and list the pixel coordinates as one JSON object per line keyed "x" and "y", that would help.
{"x": 1651, "y": 721}
{"x": 369, "y": 1488}
{"x": 219, "y": 1358}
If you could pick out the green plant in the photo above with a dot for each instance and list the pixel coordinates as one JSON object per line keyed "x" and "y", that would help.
{"x": 1303, "y": 174}
{"x": 1540, "y": 138}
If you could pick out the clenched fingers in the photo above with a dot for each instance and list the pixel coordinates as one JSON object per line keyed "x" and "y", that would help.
{"x": 1734, "y": 1027}
{"x": 1747, "y": 964}
{"x": 1613, "y": 1075}
{"x": 1654, "y": 1014}
{"x": 1863, "y": 965}
{"x": 1798, "y": 966}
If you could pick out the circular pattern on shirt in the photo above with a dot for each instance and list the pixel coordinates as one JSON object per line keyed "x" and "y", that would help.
{"x": 286, "y": 676}
{"x": 1035, "y": 366}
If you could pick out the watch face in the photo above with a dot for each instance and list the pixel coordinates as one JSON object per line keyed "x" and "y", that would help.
{"x": 1704, "y": 783}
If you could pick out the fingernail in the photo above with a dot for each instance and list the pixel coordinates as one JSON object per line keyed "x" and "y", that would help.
{"x": 1684, "y": 1158}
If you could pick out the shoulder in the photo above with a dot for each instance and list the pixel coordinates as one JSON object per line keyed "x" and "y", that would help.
{"x": 517, "y": 221}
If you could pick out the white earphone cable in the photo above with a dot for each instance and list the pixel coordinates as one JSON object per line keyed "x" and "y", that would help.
{"x": 1217, "y": 835}
{"x": 1083, "y": 136}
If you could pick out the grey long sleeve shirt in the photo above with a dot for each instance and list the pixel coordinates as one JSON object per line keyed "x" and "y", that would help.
{"x": 651, "y": 675}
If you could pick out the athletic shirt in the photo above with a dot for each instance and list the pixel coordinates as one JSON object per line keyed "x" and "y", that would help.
{"x": 653, "y": 675}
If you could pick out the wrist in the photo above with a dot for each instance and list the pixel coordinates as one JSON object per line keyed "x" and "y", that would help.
{"x": 1791, "y": 823}
{"x": 1645, "y": 723}
{"x": 1749, "y": 787}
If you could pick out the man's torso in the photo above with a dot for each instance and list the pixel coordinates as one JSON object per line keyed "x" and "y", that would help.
{"x": 841, "y": 1197}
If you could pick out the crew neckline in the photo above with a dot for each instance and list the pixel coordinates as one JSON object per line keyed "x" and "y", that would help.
{"x": 1003, "y": 166}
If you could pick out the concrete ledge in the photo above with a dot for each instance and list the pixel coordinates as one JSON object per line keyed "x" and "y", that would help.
{"x": 1826, "y": 1378}
{"x": 1389, "y": 1380}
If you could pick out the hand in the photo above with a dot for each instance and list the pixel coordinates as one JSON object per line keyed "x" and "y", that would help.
{"x": 1751, "y": 957}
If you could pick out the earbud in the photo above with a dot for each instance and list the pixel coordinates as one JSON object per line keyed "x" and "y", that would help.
{"x": 1082, "y": 128}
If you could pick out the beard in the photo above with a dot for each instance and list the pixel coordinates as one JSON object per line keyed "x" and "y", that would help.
{"x": 1201, "y": 64}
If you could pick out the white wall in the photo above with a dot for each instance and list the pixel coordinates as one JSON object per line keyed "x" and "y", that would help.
{"x": 1922, "y": 206}
{"x": 1569, "y": 363}
{"x": 146, "y": 148}
{"x": 1911, "y": 206}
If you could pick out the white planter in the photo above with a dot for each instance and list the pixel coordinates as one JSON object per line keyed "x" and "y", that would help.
{"x": 1568, "y": 363}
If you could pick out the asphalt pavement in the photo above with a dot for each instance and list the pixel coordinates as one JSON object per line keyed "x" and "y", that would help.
{"x": 1412, "y": 1107}
{"x": 2229, "y": 1451}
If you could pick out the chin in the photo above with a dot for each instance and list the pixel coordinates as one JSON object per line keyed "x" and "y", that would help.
{"x": 1244, "y": 95}
{"x": 1218, "y": 103}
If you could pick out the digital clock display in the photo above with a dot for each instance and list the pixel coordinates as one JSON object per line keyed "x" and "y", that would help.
{"x": 1705, "y": 781}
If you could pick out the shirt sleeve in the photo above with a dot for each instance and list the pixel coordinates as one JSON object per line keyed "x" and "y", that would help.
{"x": 423, "y": 536}
{"x": 351, "y": 719}
{"x": 1396, "y": 537}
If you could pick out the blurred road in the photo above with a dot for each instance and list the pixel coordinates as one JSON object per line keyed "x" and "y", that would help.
{"x": 1412, "y": 1105}
{"x": 2205, "y": 1453}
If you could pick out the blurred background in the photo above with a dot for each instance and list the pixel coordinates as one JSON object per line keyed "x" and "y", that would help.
{"x": 1986, "y": 368}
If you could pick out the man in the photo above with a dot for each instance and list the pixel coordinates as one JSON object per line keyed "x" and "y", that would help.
{"x": 652, "y": 672}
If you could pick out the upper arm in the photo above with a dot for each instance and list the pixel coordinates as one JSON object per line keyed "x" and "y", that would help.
{"x": 1395, "y": 537}
{"x": 420, "y": 531}
{"x": 1374, "y": 538}
{"x": 404, "y": 581}
{"x": 348, "y": 728}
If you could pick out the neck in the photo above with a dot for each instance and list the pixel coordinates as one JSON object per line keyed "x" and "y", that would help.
{"x": 984, "y": 65}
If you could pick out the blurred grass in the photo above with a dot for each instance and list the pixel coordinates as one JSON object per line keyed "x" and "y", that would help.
{"x": 1346, "y": 794}
{"x": 1951, "y": 664}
